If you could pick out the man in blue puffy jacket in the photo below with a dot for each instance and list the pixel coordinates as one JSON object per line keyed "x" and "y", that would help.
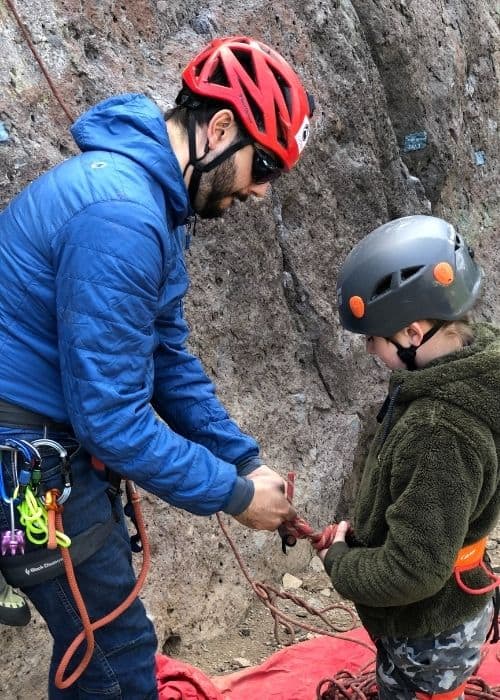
{"x": 93, "y": 337}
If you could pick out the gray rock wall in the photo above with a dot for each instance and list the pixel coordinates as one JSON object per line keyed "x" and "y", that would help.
{"x": 262, "y": 303}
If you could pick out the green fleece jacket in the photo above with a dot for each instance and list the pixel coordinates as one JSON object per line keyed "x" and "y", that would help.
{"x": 430, "y": 486}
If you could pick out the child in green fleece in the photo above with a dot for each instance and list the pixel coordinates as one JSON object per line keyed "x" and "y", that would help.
{"x": 430, "y": 485}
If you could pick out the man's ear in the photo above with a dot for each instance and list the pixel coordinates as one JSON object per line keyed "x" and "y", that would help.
{"x": 220, "y": 128}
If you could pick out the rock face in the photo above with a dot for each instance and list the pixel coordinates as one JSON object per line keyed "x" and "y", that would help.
{"x": 406, "y": 122}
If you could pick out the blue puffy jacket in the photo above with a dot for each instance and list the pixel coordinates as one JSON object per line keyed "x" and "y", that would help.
{"x": 91, "y": 324}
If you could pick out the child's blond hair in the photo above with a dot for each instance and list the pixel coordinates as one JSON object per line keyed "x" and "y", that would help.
{"x": 461, "y": 327}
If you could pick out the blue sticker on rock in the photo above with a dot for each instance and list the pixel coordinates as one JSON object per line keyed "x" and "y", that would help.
{"x": 4, "y": 135}
{"x": 415, "y": 141}
{"x": 480, "y": 157}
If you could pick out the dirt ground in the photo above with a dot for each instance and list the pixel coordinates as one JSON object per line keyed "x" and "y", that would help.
{"x": 252, "y": 639}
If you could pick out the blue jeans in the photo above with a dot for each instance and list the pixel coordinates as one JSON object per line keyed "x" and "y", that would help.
{"x": 123, "y": 663}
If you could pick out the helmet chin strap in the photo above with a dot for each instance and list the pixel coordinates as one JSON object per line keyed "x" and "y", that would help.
{"x": 194, "y": 160}
{"x": 408, "y": 355}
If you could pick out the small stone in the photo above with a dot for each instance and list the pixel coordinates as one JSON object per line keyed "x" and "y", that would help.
{"x": 316, "y": 564}
{"x": 326, "y": 592}
{"x": 241, "y": 662}
{"x": 290, "y": 581}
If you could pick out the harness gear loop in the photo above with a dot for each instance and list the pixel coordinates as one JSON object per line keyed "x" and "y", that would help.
{"x": 471, "y": 557}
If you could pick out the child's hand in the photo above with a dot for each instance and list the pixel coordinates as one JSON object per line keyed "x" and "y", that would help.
{"x": 322, "y": 554}
{"x": 342, "y": 530}
{"x": 340, "y": 534}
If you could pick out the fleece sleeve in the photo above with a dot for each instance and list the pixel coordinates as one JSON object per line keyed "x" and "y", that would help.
{"x": 109, "y": 265}
{"x": 435, "y": 483}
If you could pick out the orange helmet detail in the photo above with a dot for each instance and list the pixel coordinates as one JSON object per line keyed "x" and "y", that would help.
{"x": 443, "y": 273}
{"x": 261, "y": 87}
{"x": 357, "y": 306}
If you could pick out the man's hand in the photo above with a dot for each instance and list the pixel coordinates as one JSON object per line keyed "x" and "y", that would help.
{"x": 269, "y": 506}
{"x": 264, "y": 470}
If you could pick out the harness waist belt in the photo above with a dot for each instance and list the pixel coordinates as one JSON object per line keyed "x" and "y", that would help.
{"x": 13, "y": 416}
{"x": 472, "y": 557}
{"x": 40, "y": 565}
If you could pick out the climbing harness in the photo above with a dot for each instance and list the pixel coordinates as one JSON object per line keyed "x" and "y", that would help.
{"x": 36, "y": 509}
{"x": 472, "y": 557}
{"x": 41, "y": 519}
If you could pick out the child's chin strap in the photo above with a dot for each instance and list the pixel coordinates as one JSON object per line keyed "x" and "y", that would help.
{"x": 408, "y": 355}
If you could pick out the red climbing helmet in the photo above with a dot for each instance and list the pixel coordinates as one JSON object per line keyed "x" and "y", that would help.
{"x": 263, "y": 89}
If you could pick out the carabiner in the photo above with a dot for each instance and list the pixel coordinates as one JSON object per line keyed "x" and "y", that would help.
{"x": 32, "y": 461}
{"x": 63, "y": 455}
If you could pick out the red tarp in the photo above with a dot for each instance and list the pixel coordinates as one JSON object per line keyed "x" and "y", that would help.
{"x": 292, "y": 673}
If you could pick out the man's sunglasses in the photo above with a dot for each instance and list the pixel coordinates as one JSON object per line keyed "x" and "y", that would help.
{"x": 265, "y": 167}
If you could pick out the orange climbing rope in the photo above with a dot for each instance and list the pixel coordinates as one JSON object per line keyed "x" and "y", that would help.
{"x": 363, "y": 686}
{"x": 89, "y": 627}
{"x": 299, "y": 529}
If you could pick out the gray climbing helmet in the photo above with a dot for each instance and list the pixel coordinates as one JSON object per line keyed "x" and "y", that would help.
{"x": 413, "y": 268}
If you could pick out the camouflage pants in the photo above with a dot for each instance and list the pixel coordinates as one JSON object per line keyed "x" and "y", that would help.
{"x": 431, "y": 665}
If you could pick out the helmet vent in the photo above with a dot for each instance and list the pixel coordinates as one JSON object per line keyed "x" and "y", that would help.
{"x": 220, "y": 76}
{"x": 281, "y": 135}
{"x": 382, "y": 287}
{"x": 256, "y": 111}
{"x": 409, "y": 272}
{"x": 458, "y": 242}
{"x": 246, "y": 60}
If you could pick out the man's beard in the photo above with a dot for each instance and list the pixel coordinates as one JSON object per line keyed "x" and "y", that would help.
{"x": 219, "y": 185}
